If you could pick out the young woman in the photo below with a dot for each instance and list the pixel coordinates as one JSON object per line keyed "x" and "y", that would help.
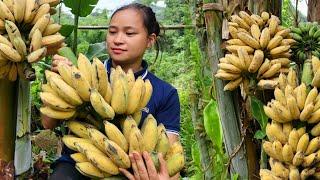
{"x": 133, "y": 29}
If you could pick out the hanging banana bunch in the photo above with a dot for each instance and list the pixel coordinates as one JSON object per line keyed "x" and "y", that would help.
{"x": 27, "y": 34}
{"x": 307, "y": 37}
{"x": 99, "y": 155}
{"x": 258, "y": 51}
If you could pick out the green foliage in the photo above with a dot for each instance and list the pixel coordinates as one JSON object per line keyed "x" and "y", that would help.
{"x": 259, "y": 114}
{"x": 81, "y": 7}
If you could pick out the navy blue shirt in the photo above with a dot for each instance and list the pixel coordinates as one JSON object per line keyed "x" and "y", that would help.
{"x": 164, "y": 104}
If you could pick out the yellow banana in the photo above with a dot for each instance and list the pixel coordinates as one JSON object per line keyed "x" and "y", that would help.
{"x": 280, "y": 96}
{"x": 30, "y": 11}
{"x": 135, "y": 96}
{"x": 42, "y": 10}
{"x": 117, "y": 155}
{"x": 249, "y": 40}
{"x": 315, "y": 117}
{"x": 52, "y": 29}
{"x": 119, "y": 100}
{"x": 283, "y": 112}
{"x": 233, "y": 84}
{"x": 246, "y": 17}
{"x": 264, "y": 67}
{"x": 163, "y": 143}
{"x": 274, "y": 42}
{"x": 5, "y": 14}
{"x": 149, "y": 132}
{"x": 298, "y": 158}
{"x": 56, "y": 114}
{"x": 303, "y": 143}
{"x": 309, "y": 160}
{"x": 36, "y": 41}
{"x": 306, "y": 112}
{"x": 265, "y": 37}
{"x": 315, "y": 64}
{"x": 277, "y": 149}
{"x": 20, "y": 46}
{"x": 84, "y": 67}
{"x": 137, "y": 117}
{"x": 52, "y": 40}
{"x": 115, "y": 135}
{"x": 279, "y": 50}
{"x": 227, "y": 76}
{"x": 70, "y": 140}
{"x": 267, "y": 146}
{"x": 255, "y": 31}
{"x": 37, "y": 55}
{"x": 136, "y": 141}
{"x": 275, "y": 132}
{"x": 4, "y": 40}
{"x": 47, "y": 88}
{"x": 10, "y": 53}
{"x": 287, "y": 153}
{"x": 65, "y": 72}
{"x": 258, "y": 19}
{"x": 55, "y": 102}
{"x": 272, "y": 113}
{"x": 240, "y": 22}
{"x": 280, "y": 170}
{"x": 100, "y": 105}
{"x": 80, "y": 84}
{"x": 313, "y": 145}
{"x": 127, "y": 125}
{"x": 97, "y": 138}
{"x": 102, "y": 162}
{"x": 285, "y": 62}
{"x": 174, "y": 148}
{"x": 101, "y": 77}
{"x": 293, "y": 107}
{"x": 266, "y": 174}
{"x": 84, "y": 146}
{"x": 315, "y": 131}
{"x": 79, "y": 157}
{"x": 19, "y": 7}
{"x": 79, "y": 128}
{"x": 233, "y": 32}
{"x": 294, "y": 172}
{"x": 256, "y": 61}
{"x": 306, "y": 173}
{"x": 284, "y": 33}
{"x": 41, "y": 24}
{"x": 131, "y": 79}
{"x": 265, "y": 16}
{"x": 65, "y": 91}
{"x": 273, "y": 23}
{"x": 235, "y": 42}
{"x": 311, "y": 96}
{"x": 9, "y": 4}
{"x": 175, "y": 164}
{"x": 107, "y": 97}
{"x": 301, "y": 96}
{"x": 274, "y": 69}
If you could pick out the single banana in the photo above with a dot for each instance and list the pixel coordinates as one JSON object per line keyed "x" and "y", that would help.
{"x": 136, "y": 96}
{"x": 274, "y": 69}
{"x": 163, "y": 143}
{"x": 52, "y": 40}
{"x": 115, "y": 135}
{"x": 265, "y": 37}
{"x": 41, "y": 24}
{"x": 52, "y": 29}
{"x": 79, "y": 157}
{"x": 36, "y": 41}
{"x": 42, "y": 10}
{"x": 5, "y": 14}
{"x": 65, "y": 72}
{"x": 302, "y": 96}
{"x": 101, "y": 77}
{"x": 287, "y": 153}
{"x": 37, "y": 55}
{"x": 149, "y": 132}
{"x": 70, "y": 140}
{"x": 65, "y": 91}
{"x": 102, "y": 162}
{"x": 55, "y": 102}
{"x": 4, "y": 40}
{"x": 303, "y": 143}
{"x": 117, "y": 155}
{"x": 84, "y": 67}
{"x": 137, "y": 117}
{"x": 100, "y": 105}
{"x": 30, "y": 11}
{"x": 108, "y": 94}
{"x": 57, "y": 114}
{"x": 147, "y": 95}
{"x": 175, "y": 164}
{"x": 119, "y": 100}
{"x": 10, "y": 53}
{"x": 19, "y": 7}
{"x": 127, "y": 125}
{"x": 97, "y": 138}
{"x": 313, "y": 145}
{"x": 131, "y": 79}
{"x": 175, "y": 148}
{"x": 80, "y": 84}
{"x": 79, "y": 128}
{"x": 136, "y": 141}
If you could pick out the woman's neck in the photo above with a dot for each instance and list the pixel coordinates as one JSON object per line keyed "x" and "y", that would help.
{"x": 136, "y": 66}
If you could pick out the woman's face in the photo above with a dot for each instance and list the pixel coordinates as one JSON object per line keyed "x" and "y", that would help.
{"x": 127, "y": 37}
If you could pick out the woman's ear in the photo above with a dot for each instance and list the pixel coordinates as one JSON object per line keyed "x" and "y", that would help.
{"x": 152, "y": 40}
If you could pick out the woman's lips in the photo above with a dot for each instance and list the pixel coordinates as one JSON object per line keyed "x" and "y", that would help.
{"x": 117, "y": 50}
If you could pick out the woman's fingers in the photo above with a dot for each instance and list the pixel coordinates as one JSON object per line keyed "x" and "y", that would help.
{"x": 134, "y": 167}
{"x": 152, "y": 171}
{"x": 127, "y": 174}
{"x": 141, "y": 166}
{"x": 163, "y": 165}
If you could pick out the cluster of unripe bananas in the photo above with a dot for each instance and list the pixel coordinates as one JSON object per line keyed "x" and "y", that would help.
{"x": 27, "y": 34}
{"x": 259, "y": 49}
{"x": 100, "y": 155}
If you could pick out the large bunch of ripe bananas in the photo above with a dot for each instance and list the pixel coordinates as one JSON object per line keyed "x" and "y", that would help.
{"x": 27, "y": 34}
{"x": 88, "y": 86}
{"x": 294, "y": 134}
{"x": 100, "y": 155}
{"x": 259, "y": 49}
{"x": 307, "y": 37}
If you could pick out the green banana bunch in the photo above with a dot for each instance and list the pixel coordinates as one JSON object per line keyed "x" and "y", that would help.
{"x": 307, "y": 37}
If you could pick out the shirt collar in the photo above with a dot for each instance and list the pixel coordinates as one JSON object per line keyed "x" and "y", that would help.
{"x": 142, "y": 73}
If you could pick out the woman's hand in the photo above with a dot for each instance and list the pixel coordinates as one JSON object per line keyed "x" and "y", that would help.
{"x": 57, "y": 59}
{"x": 144, "y": 169}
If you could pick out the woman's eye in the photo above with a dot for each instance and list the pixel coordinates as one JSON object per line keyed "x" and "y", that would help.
{"x": 130, "y": 33}
{"x": 112, "y": 32}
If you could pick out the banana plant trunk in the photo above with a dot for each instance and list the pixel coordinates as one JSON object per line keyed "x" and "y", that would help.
{"x": 313, "y": 10}
{"x": 8, "y": 114}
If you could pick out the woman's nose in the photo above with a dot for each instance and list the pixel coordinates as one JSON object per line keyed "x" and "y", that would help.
{"x": 119, "y": 38}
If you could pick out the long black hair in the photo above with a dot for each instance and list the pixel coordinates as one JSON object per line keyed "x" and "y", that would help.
{"x": 149, "y": 21}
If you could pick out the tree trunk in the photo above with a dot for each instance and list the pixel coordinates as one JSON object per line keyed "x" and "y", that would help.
{"x": 227, "y": 106}
{"x": 313, "y": 10}
{"x": 7, "y": 119}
